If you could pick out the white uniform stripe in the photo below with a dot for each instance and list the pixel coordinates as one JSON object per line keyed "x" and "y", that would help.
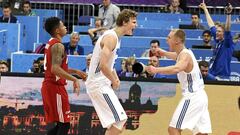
{"x": 59, "y": 108}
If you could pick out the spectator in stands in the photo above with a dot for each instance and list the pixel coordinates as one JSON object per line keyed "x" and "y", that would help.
{"x": 40, "y": 61}
{"x": 123, "y": 70}
{"x": 3, "y": 66}
{"x": 35, "y": 67}
{"x": 7, "y": 16}
{"x": 88, "y": 60}
{"x": 154, "y": 45}
{"x": 27, "y": 9}
{"x": 108, "y": 12}
{"x": 196, "y": 21}
{"x": 129, "y": 63}
{"x": 236, "y": 40}
{"x": 174, "y": 7}
{"x": 183, "y": 5}
{"x": 154, "y": 61}
{"x": 16, "y": 6}
{"x": 207, "y": 37}
{"x": 72, "y": 47}
{"x": 237, "y": 20}
{"x": 223, "y": 47}
{"x": 204, "y": 66}
{"x": 94, "y": 33}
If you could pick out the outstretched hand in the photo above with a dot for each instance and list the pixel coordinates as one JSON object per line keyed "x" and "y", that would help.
{"x": 82, "y": 74}
{"x": 76, "y": 87}
{"x": 151, "y": 69}
{"x": 160, "y": 52}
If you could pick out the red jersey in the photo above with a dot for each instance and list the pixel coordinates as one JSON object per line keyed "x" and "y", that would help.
{"x": 49, "y": 76}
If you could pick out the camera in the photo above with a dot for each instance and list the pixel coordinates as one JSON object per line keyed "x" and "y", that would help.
{"x": 138, "y": 68}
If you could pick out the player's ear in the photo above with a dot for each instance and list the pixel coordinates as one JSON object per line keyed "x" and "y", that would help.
{"x": 124, "y": 23}
{"x": 57, "y": 30}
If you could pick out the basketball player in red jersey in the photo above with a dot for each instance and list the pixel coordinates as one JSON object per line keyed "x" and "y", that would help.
{"x": 54, "y": 94}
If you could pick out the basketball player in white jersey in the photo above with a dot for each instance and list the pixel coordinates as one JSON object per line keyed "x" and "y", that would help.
{"x": 192, "y": 111}
{"x": 102, "y": 77}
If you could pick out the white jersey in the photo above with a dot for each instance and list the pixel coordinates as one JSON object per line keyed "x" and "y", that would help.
{"x": 95, "y": 76}
{"x": 191, "y": 82}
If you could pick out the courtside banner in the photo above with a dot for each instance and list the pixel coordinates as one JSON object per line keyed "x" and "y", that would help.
{"x": 21, "y": 109}
{"x": 224, "y": 109}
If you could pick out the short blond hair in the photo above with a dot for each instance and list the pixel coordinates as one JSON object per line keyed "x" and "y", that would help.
{"x": 179, "y": 33}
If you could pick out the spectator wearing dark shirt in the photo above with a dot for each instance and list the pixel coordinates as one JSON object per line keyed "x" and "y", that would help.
{"x": 4, "y": 66}
{"x": 154, "y": 61}
{"x": 27, "y": 10}
{"x": 35, "y": 67}
{"x": 72, "y": 47}
{"x": 196, "y": 21}
{"x": 174, "y": 7}
{"x": 223, "y": 47}
{"x": 7, "y": 16}
{"x": 207, "y": 37}
{"x": 123, "y": 69}
{"x": 204, "y": 67}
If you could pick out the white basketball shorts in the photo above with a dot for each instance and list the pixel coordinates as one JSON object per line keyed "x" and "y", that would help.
{"x": 108, "y": 107}
{"x": 192, "y": 113}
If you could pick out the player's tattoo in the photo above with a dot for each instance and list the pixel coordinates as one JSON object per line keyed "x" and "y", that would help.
{"x": 57, "y": 54}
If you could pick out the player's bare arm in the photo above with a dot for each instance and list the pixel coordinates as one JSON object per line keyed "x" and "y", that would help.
{"x": 169, "y": 55}
{"x": 181, "y": 65}
{"x": 57, "y": 51}
{"x": 108, "y": 44}
{"x": 80, "y": 73}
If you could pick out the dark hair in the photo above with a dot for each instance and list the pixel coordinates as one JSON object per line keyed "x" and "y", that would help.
{"x": 125, "y": 16}
{"x": 206, "y": 31}
{"x": 99, "y": 19}
{"x": 4, "y": 62}
{"x": 203, "y": 63}
{"x": 40, "y": 58}
{"x": 27, "y": 2}
{"x": 35, "y": 62}
{"x": 52, "y": 24}
{"x": 195, "y": 13}
{"x": 155, "y": 41}
{"x": 7, "y": 5}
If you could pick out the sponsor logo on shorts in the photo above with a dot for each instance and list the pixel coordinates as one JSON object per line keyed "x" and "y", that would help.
{"x": 67, "y": 112}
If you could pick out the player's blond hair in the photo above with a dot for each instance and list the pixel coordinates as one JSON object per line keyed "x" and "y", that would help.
{"x": 180, "y": 34}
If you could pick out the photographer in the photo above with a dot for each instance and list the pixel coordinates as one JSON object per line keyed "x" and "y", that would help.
{"x": 35, "y": 67}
